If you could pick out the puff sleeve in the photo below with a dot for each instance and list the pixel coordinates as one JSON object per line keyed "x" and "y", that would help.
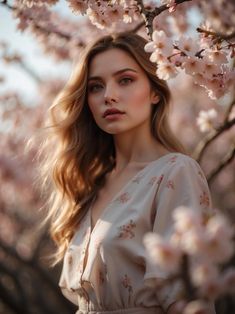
{"x": 183, "y": 184}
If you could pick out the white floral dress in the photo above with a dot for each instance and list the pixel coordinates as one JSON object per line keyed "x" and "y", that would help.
{"x": 117, "y": 275}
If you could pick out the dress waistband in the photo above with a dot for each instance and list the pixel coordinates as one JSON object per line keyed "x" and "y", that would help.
{"x": 133, "y": 310}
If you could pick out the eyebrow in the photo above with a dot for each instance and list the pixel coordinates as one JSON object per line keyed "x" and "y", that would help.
{"x": 114, "y": 74}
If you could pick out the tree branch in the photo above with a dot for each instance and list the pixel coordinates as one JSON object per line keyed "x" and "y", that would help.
{"x": 201, "y": 147}
{"x": 229, "y": 110}
{"x": 188, "y": 287}
{"x": 228, "y": 158}
{"x": 219, "y": 36}
{"x": 149, "y": 15}
{"x": 39, "y": 27}
{"x": 19, "y": 60}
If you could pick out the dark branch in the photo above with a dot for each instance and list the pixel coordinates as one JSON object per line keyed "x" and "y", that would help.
{"x": 149, "y": 15}
{"x": 201, "y": 147}
{"x": 188, "y": 286}
{"x": 219, "y": 36}
{"x": 228, "y": 158}
{"x": 229, "y": 110}
{"x": 39, "y": 27}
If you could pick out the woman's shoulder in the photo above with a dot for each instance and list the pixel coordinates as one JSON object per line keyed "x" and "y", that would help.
{"x": 179, "y": 164}
{"x": 184, "y": 166}
{"x": 179, "y": 159}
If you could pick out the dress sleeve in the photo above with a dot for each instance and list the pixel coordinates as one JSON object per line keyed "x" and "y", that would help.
{"x": 184, "y": 184}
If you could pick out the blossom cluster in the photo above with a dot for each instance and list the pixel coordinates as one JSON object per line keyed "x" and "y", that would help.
{"x": 104, "y": 14}
{"x": 38, "y": 3}
{"x": 171, "y": 4}
{"x": 208, "y": 244}
{"x": 55, "y": 34}
{"x": 207, "y": 64}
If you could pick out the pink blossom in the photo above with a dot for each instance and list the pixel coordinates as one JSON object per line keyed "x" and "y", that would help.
{"x": 217, "y": 56}
{"x": 188, "y": 46}
{"x": 211, "y": 69}
{"x": 193, "y": 241}
{"x": 219, "y": 244}
{"x": 185, "y": 219}
{"x": 170, "y": 4}
{"x": 214, "y": 88}
{"x": 218, "y": 225}
{"x": 197, "y": 307}
{"x": 39, "y": 3}
{"x": 150, "y": 47}
{"x": 192, "y": 65}
{"x": 203, "y": 272}
{"x": 205, "y": 119}
{"x": 211, "y": 289}
{"x": 199, "y": 79}
{"x": 166, "y": 70}
{"x": 161, "y": 42}
{"x": 162, "y": 253}
{"x": 158, "y": 57}
{"x": 78, "y": 6}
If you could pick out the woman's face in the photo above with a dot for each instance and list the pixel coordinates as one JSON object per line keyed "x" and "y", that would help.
{"x": 117, "y": 82}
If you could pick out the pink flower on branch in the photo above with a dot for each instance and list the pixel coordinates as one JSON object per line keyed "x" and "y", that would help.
{"x": 204, "y": 62}
{"x": 161, "y": 253}
{"x": 193, "y": 254}
{"x": 161, "y": 43}
{"x": 171, "y": 4}
{"x": 78, "y": 6}
{"x": 205, "y": 119}
{"x": 197, "y": 307}
{"x": 166, "y": 70}
{"x": 36, "y": 3}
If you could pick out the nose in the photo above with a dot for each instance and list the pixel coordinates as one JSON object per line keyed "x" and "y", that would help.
{"x": 110, "y": 95}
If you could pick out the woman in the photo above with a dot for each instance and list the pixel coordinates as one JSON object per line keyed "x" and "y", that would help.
{"x": 119, "y": 172}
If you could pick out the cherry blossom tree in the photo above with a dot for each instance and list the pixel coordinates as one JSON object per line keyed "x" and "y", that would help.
{"x": 195, "y": 56}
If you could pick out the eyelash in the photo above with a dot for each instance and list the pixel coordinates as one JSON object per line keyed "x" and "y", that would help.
{"x": 91, "y": 87}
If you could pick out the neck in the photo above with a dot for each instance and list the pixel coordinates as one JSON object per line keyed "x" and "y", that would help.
{"x": 136, "y": 149}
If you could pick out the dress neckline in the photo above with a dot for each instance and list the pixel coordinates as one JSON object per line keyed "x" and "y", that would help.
{"x": 122, "y": 189}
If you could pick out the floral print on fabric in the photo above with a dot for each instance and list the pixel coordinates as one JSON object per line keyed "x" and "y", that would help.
{"x": 123, "y": 198}
{"x": 170, "y": 184}
{"x": 173, "y": 159}
{"x": 157, "y": 179}
{"x": 126, "y": 231}
{"x": 204, "y": 199}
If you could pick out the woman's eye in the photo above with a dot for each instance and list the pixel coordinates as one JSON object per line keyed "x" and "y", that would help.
{"x": 94, "y": 88}
{"x": 126, "y": 80}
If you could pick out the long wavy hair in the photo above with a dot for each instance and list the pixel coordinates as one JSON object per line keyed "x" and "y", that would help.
{"x": 77, "y": 153}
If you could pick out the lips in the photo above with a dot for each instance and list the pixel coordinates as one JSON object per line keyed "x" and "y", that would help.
{"x": 111, "y": 111}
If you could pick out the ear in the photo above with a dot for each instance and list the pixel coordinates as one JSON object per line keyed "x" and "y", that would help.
{"x": 155, "y": 98}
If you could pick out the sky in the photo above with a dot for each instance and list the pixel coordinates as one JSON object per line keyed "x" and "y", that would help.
{"x": 24, "y": 43}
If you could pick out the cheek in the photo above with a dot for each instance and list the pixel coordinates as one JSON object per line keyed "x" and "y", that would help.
{"x": 141, "y": 95}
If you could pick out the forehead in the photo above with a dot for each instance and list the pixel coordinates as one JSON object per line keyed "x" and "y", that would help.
{"x": 112, "y": 60}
